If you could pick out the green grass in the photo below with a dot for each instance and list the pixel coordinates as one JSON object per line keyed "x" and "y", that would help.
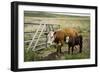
{"x": 31, "y": 56}
{"x": 48, "y": 54}
{"x": 82, "y": 55}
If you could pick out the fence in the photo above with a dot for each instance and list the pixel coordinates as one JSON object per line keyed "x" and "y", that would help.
{"x": 37, "y": 39}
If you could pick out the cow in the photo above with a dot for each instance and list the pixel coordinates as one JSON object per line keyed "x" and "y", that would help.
{"x": 59, "y": 37}
{"x": 73, "y": 42}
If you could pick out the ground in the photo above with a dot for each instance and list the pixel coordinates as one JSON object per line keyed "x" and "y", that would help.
{"x": 51, "y": 54}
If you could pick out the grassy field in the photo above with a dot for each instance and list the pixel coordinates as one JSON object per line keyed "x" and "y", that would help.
{"x": 81, "y": 23}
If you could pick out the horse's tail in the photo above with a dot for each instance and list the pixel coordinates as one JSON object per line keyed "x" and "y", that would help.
{"x": 81, "y": 42}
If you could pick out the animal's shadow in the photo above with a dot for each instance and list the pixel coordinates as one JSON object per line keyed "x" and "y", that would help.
{"x": 54, "y": 56}
{"x": 51, "y": 56}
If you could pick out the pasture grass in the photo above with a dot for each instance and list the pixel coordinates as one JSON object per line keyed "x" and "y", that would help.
{"x": 51, "y": 54}
{"x": 43, "y": 55}
{"x": 82, "y": 55}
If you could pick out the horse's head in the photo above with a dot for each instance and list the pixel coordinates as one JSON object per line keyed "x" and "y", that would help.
{"x": 50, "y": 37}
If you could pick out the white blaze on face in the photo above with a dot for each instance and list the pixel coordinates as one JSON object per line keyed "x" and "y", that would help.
{"x": 50, "y": 37}
{"x": 67, "y": 39}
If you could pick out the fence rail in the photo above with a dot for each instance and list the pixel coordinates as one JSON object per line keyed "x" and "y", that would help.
{"x": 38, "y": 38}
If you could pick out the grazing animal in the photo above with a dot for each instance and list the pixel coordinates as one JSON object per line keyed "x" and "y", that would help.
{"x": 59, "y": 37}
{"x": 74, "y": 41}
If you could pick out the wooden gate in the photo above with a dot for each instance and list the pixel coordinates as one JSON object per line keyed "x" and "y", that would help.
{"x": 38, "y": 39}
